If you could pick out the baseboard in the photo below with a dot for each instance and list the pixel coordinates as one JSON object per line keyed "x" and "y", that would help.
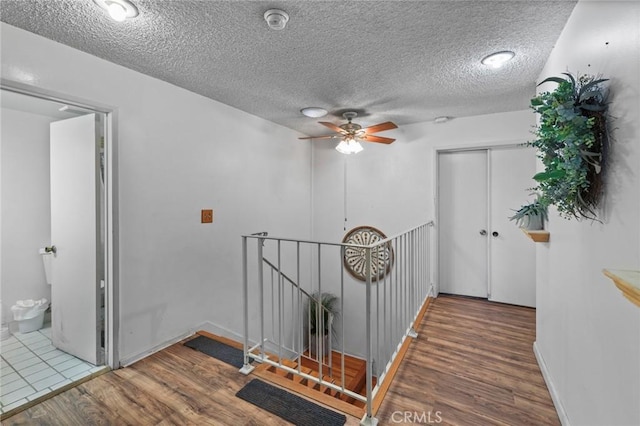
{"x": 562, "y": 414}
{"x": 205, "y": 326}
{"x": 125, "y": 362}
{"x": 212, "y": 328}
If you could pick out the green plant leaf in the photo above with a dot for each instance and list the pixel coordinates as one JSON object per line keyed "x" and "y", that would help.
{"x": 573, "y": 80}
{"x": 553, "y": 79}
{"x": 548, "y": 175}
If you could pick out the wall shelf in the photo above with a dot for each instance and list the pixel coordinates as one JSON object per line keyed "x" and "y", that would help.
{"x": 627, "y": 281}
{"x": 537, "y": 236}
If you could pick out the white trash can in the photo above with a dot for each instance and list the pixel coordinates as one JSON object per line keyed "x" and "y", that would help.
{"x": 29, "y": 314}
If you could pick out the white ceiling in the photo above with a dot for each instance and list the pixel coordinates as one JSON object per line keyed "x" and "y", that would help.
{"x": 403, "y": 61}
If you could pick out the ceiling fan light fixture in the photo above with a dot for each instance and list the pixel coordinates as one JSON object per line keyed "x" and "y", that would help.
{"x": 349, "y": 146}
{"x": 356, "y": 147}
{"x": 498, "y": 59}
{"x": 343, "y": 148}
{"x": 118, "y": 10}
{"x": 313, "y": 112}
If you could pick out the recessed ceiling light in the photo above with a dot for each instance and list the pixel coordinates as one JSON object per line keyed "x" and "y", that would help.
{"x": 440, "y": 120}
{"x": 118, "y": 10}
{"x": 313, "y": 112}
{"x": 498, "y": 59}
{"x": 276, "y": 19}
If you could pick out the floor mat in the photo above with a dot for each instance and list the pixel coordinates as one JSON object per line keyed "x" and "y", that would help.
{"x": 218, "y": 350}
{"x": 289, "y": 407}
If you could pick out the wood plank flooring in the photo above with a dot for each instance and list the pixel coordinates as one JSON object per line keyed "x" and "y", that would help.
{"x": 472, "y": 364}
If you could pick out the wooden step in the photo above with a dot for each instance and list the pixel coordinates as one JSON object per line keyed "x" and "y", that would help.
{"x": 316, "y": 386}
{"x": 306, "y": 387}
{"x": 286, "y": 374}
{"x": 309, "y": 392}
{"x": 354, "y": 376}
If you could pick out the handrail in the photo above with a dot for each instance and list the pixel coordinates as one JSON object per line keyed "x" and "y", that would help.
{"x": 265, "y": 236}
{"x": 286, "y": 277}
{"x": 392, "y": 304}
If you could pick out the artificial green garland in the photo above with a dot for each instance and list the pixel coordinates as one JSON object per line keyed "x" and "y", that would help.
{"x": 572, "y": 141}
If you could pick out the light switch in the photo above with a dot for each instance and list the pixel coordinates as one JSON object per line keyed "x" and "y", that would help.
{"x": 207, "y": 216}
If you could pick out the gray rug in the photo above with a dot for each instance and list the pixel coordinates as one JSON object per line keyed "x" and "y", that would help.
{"x": 289, "y": 407}
{"x": 218, "y": 350}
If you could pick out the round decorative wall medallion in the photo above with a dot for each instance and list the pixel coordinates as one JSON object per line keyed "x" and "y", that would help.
{"x": 355, "y": 257}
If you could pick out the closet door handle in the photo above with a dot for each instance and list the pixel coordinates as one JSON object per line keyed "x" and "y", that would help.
{"x": 483, "y": 232}
{"x": 495, "y": 233}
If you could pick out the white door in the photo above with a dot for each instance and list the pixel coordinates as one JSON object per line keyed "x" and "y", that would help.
{"x": 512, "y": 264}
{"x": 74, "y": 224}
{"x": 481, "y": 254}
{"x": 462, "y": 216}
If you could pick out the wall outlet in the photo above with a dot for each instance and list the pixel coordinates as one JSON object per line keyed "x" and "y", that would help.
{"x": 206, "y": 216}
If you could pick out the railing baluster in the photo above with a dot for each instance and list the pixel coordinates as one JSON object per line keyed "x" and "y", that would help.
{"x": 320, "y": 313}
{"x": 245, "y": 307}
{"x": 279, "y": 304}
{"x": 342, "y": 249}
{"x": 384, "y": 305}
{"x": 273, "y": 309}
{"x": 299, "y": 323}
{"x": 377, "y": 278}
{"x": 369, "y": 373}
{"x": 261, "y": 291}
{"x": 397, "y": 291}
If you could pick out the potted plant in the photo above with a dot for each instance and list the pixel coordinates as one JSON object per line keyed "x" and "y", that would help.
{"x": 531, "y": 216}
{"x": 321, "y": 308}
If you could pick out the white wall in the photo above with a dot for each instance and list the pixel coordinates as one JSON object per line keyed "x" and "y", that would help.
{"x": 26, "y": 206}
{"x": 588, "y": 334}
{"x": 178, "y": 153}
{"x": 391, "y": 187}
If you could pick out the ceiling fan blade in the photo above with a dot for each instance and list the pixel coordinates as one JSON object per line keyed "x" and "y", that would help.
{"x": 320, "y": 137}
{"x": 380, "y": 127}
{"x": 332, "y": 127}
{"x": 379, "y": 139}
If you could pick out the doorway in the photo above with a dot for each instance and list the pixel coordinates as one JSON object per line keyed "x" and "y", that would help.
{"x": 56, "y": 243}
{"x": 480, "y": 252}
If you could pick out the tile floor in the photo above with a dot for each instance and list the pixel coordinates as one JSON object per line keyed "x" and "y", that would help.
{"x": 32, "y": 367}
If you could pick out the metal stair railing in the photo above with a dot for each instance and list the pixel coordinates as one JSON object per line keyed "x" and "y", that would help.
{"x": 392, "y": 303}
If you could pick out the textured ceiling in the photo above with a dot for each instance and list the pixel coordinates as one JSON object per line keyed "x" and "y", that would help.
{"x": 404, "y": 61}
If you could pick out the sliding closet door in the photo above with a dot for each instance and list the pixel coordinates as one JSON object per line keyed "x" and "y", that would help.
{"x": 512, "y": 254}
{"x": 462, "y": 217}
{"x": 480, "y": 252}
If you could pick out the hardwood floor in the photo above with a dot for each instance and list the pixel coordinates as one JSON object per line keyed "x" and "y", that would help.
{"x": 472, "y": 364}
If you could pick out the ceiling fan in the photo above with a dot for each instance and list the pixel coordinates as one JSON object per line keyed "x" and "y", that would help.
{"x": 352, "y": 133}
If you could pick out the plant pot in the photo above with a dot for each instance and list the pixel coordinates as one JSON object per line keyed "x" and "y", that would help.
{"x": 313, "y": 345}
{"x": 532, "y": 223}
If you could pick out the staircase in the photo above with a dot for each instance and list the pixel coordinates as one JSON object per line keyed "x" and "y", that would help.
{"x": 354, "y": 377}
{"x": 279, "y": 316}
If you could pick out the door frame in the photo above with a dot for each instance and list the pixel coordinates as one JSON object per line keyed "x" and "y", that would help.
{"x": 110, "y": 206}
{"x": 459, "y": 147}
